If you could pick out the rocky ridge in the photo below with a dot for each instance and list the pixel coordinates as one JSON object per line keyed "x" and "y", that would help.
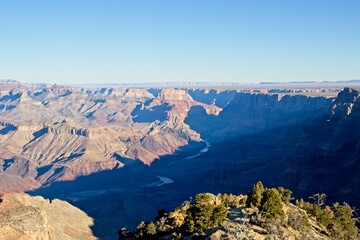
{"x": 264, "y": 213}
{"x": 25, "y": 217}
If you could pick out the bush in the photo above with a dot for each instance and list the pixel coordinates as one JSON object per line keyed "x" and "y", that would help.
{"x": 344, "y": 226}
{"x": 271, "y": 204}
{"x": 285, "y": 194}
{"x": 231, "y": 200}
{"x": 338, "y": 219}
{"x": 323, "y": 216}
{"x": 255, "y": 195}
{"x": 140, "y": 229}
{"x": 208, "y": 211}
{"x": 219, "y": 214}
{"x": 145, "y": 229}
{"x": 298, "y": 220}
{"x": 150, "y": 229}
{"x": 199, "y": 217}
{"x": 177, "y": 218}
{"x": 243, "y": 200}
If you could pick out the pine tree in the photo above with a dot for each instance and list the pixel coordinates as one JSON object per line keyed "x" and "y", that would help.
{"x": 271, "y": 204}
{"x": 255, "y": 195}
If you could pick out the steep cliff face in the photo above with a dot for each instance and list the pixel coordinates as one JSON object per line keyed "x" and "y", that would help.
{"x": 25, "y": 217}
{"x": 308, "y": 144}
{"x": 252, "y": 113}
{"x": 347, "y": 103}
{"x": 340, "y": 146}
{"x": 213, "y": 96}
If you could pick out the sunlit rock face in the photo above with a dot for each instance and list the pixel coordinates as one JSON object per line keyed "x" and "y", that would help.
{"x": 26, "y": 217}
{"x": 57, "y": 133}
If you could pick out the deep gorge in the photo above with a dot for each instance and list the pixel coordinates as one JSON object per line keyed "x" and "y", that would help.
{"x": 307, "y": 144}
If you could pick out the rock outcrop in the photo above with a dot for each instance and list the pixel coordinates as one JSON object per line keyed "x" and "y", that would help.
{"x": 26, "y": 217}
{"x": 346, "y": 103}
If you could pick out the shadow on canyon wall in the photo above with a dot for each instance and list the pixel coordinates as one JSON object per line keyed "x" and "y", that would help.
{"x": 291, "y": 142}
{"x": 286, "y": 156}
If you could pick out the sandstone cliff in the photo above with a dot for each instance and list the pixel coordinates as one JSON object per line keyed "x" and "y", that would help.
{"x": 30, "y": 218}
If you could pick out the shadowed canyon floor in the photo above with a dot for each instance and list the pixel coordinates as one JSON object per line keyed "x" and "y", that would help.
{"x": 121, "y": 154}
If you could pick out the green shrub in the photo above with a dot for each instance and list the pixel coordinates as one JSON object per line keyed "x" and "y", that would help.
{"x": 323, "y": 216}
{"x": 255, "y": 195}
{"x": 140, "y": 229}
{"x": 231, "y": 200}
{"x": 243, "y": 200}
{"x": 285, "y": 194}
{"x": 150, "y": 229}
{"x": 208, "y": 211}
{"x": 271, "y": 204}
{"x": 343, "y": 226}
{"x": 338, "y": 219}
{"x": 219, "y": 214}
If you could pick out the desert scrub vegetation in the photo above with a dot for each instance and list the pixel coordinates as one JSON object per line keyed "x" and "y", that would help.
{"x": 191, "y": 217}
{"x": 269, "y": 209}
{"x": 338, "y": 219}
{"x": 274, "y": 212}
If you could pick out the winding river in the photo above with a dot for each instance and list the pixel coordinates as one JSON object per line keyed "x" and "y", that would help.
{"x": 204, "y": 150}
{"x": 164, "y": 180}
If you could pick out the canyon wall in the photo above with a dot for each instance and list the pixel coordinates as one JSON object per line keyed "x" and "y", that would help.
{"x": 308, "y": 144}
{"x": 110, "y": 146}
{"x": 56, "y": 133}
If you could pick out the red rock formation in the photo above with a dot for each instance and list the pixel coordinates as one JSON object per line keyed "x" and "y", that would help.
{"x": 57, "y": 133}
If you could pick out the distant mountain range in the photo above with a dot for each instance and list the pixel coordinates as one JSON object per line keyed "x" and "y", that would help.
{"x": 338, "y": 83}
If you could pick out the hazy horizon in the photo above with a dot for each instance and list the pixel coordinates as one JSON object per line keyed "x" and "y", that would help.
{"x": 93, "y": 42}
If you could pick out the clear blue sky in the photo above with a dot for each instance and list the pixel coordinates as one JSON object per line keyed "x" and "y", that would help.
{"x": 74, "y": 41}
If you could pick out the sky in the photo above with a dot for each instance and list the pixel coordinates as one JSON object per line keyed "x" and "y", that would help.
{"x": 137, "y": 41}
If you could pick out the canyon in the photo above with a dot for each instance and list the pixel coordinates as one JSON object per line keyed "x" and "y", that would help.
{"x": 120, "y": 154}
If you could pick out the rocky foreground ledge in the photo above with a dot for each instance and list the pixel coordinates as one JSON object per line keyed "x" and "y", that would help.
{"x": 25, "y": 217}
